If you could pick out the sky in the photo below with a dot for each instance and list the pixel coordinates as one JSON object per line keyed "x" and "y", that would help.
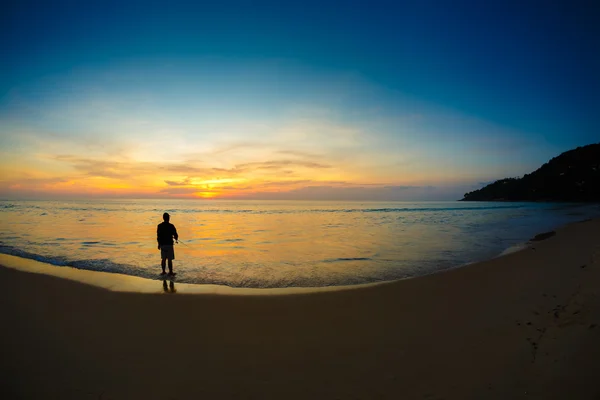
{"x": 348, "y": 100}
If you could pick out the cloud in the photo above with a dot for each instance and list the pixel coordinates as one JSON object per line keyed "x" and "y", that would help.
{"x": 185, "y": 169}
{"x": 284, "y": 183}
{"x": 301, "y": 154}
{"x": 186, "y": 190}
{"x": 40, "y": 181}
{"x": 242, "y": 145}
{"x": 279, "y": 164}
{"x": 107, "y": 169}
{"x": 236, "y": 187}
{"x": 229, "y": 171}
{"x": 184, "y": 182}
{"x": 125, "y": 170}
{"x": 133, "y": 172}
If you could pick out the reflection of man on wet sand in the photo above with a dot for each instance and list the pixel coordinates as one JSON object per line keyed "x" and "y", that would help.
{"x": 170, "y": 288}
{"x": 165, "y": 233}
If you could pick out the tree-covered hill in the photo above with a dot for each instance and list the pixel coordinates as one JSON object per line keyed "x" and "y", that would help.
{"x": 572, "y": 176}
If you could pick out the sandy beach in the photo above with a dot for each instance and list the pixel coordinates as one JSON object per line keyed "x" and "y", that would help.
{"x": 522, "y": 326}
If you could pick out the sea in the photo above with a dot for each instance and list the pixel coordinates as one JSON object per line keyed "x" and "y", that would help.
{"x": 274, "y": 244}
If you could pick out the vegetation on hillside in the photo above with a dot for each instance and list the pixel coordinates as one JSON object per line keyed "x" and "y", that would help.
{"x": 572, "y": 176}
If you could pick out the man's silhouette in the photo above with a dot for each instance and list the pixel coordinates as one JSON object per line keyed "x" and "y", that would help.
{"x": 165, "y": 233}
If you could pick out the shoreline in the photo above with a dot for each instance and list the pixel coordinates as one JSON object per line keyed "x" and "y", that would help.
{"x": 117, "y": 282}
{"x": 522, "y": 326}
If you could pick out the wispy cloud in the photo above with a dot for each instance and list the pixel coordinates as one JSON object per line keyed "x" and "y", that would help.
{"x": 106, "y": 168}
{"x": 185, "y": 190}
{"x": 184, "y": 182}
{"x": 39, "y": 181}
{"x": 184, "y": 169}
{"x": 279, "y": 164}
{"x": 300, "y": 154}
{"x": 283, "y": 183}
{"x": 242, "y": 145}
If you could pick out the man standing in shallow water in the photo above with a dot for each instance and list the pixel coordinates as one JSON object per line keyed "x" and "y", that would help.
{"x": 165, "y": 233}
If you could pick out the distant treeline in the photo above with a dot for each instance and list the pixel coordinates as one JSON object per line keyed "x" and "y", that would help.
{"x": 572, "y": 176}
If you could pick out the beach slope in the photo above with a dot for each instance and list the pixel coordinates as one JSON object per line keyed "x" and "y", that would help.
{"x": 523, "y": 326}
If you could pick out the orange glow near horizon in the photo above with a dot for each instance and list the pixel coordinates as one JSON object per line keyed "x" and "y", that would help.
{"x": 305, "y": 160}
{"x": 257, "y": 180}
{"x": 206, "y": 195}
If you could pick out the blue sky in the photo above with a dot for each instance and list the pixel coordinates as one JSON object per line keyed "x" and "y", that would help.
{"x": 291, "y": 99}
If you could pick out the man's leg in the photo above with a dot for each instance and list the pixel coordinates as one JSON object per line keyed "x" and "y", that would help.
{"x": 170, "y": 266}
{"x": 163, "y": 264}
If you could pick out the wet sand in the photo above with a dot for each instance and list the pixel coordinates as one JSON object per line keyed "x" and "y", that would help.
{"x": 523, "y": 326}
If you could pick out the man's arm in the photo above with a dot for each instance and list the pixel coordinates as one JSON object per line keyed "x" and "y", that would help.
{"x": 175, "y": 235}
{"x": 157, "y": 237}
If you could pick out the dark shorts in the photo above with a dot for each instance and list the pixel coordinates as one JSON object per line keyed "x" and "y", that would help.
{"x": 167, "y": 252}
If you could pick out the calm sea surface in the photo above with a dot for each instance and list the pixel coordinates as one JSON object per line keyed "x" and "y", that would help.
{"x": 275, "y": 243}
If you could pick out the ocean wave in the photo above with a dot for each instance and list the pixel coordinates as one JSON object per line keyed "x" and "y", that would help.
{"x": 426, "y": 209}
{"x": 106, "y": 265}
{"x": 14, "y": 251}
{"x": 331, "y": 260}
{"x": 100, "y": 265}
{"x": 278, "y": 211}
{"x": 346, "y": 210}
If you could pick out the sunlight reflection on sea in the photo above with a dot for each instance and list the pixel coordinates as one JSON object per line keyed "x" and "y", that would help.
{"x": 275, "y": 243}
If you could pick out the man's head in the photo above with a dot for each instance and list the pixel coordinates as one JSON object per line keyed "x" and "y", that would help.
{"x": 166, "y": 217}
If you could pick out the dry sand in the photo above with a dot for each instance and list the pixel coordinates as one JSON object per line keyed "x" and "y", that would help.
{"x": 522, "y": 326}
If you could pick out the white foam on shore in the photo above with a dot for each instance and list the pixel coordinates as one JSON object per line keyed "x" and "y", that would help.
{"x": 514, "y": 248}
